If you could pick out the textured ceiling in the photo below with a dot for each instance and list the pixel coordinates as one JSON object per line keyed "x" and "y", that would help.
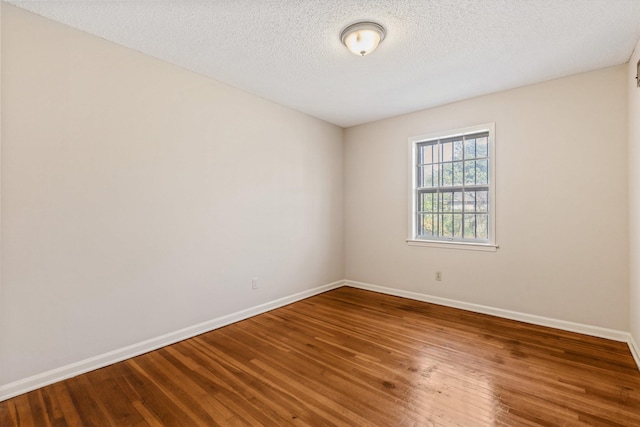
{"x": 436, "y": 51}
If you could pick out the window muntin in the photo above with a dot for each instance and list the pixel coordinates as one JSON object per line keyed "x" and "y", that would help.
{"x": 452, "y": 195}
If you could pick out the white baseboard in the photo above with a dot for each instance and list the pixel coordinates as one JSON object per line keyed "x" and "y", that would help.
{"x": 635, "y": 350}
{"x": 34, "y": 382}
{"x": 595, "y": 331}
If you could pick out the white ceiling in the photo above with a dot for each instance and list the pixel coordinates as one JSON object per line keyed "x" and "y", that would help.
{"x": 436, "y": 51}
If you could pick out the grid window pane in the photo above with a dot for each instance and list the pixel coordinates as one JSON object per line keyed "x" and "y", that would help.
{"x": 470, "y": 172}
{"x": 470, "y": 149}
{"x": 482, "y": 229}
{"x": 457, "y": 150}
{"x": 425, "y": 154}
{"x": 469, "y": 201}
{"x": 428, "y": 202}
{"x": 457, "y": 226}
{"x": 423, "y": 202}
{"x": 482, "y": 147}
{"x": 447, "y": 152}
{"x": 447, "y": 174}
{"x": 457, "y": 201}
{"x": 447, "y": 225}
{"x": 482, "y": 171}
{"x": 457, "y": 174}
{"x": 431, "y": 225}
{"x": 426, "y": 176}
{"x": 482, "y": 201}
{"x": 470, "y": 226}
{"x": 452, "y": 176}
{"x": 447, "y": 202}
{"x": 420, "y": 225}
{"x": 426, "y": 225}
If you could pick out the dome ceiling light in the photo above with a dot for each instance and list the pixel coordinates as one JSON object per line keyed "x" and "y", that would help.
{"x": 362, "y": 38}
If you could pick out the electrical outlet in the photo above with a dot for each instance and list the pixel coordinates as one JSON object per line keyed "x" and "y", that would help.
{"x": 254, "y": 283}
{"x": 439, "y": 276}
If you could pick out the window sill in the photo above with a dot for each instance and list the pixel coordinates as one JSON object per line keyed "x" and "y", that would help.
{"x": 453, "y": 245}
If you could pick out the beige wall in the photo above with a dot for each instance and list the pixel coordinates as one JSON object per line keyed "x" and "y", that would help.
{"x": 561, "y": 195}
{"x": 139, "y": 198}
{"x": 634, "y": 195}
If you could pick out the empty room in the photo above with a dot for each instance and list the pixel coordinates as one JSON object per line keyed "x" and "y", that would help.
{"x": 315, "y": 213}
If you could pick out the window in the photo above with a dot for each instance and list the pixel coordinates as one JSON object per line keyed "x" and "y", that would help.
{"x": 452, "y": 188}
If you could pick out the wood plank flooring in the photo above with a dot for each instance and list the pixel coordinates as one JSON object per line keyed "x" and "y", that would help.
{"x": 354, "y": 358}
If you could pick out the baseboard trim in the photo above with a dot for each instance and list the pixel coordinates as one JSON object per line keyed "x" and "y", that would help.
{"x": 34, "y": 382}
{"x": 595, "y": 331}
{"x": 635, "y": 350}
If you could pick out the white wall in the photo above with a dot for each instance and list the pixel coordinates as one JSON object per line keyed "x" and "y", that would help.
{"x": 139, "y": 198}
{"x": 561, "y": 194}
{"x": 634, "y": 195}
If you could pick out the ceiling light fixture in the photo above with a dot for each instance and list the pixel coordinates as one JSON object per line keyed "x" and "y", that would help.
{"x": 362, "y": 38}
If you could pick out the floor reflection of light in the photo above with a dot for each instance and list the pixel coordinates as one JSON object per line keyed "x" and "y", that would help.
{"x": 444, "y": 394}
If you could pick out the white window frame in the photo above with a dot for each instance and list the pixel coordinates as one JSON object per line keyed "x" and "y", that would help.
{"x": 412, "y": 239}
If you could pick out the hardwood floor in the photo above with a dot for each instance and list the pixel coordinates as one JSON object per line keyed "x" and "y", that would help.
{"x": 351, "y": 357}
